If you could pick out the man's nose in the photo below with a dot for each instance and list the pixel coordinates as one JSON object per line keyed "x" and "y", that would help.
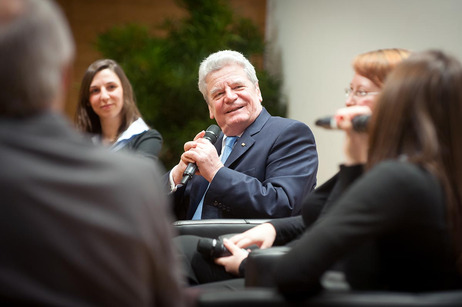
{"x": 230, "y": 95}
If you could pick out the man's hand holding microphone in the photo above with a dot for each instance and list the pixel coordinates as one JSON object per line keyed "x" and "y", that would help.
{"x": 200, "y": 157}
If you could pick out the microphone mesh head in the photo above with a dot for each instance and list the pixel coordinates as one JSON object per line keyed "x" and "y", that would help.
{"x": 212, "y": 133}
{"x": 205, "y": 246}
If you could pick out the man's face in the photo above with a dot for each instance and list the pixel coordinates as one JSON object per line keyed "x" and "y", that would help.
{"x": 233, "y": 100}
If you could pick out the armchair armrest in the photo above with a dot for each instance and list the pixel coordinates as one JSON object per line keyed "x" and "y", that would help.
{"x": 213, "y": 228}
{"x": 259, "y": 270}
{"x": 259, "y": 266}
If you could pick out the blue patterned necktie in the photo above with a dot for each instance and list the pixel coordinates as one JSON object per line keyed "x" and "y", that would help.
{"x": 229, "y": 143}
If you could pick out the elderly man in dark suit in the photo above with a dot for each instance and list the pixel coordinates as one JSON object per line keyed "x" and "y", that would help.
{"x": 273, "y": 161}
{"x": 80, "y": 226}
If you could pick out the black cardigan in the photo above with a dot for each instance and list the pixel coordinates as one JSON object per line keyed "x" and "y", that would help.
{"x": 147, "y": 143}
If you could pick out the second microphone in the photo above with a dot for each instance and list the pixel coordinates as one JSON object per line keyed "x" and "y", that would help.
{"x": 360, "y": 123}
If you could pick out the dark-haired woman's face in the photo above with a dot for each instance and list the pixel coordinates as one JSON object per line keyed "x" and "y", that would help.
{"x": 363, "y": 92}
{"x": 106, "y": 95}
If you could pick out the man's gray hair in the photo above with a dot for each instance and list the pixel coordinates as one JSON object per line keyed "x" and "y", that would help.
{"x": 220, "y": 59}
{"x": 36, "y": 45}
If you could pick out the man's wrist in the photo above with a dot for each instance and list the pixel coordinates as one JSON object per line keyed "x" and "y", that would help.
{"x": 173, "y": 185}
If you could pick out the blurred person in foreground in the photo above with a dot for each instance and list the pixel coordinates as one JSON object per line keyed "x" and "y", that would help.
{"x": 107, "y": 110}
{"x": 78, "y": 229}
{"x": 370, "y": 72}
{"x": 273, "y": 161}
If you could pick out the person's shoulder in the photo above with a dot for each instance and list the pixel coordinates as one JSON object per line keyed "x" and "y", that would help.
{"x": 145, "y": 135}
{"x": 131, "y": 161}
{"x": 289, "y": 127}
{"x": 126, "y": 163}
{"x": 286, "y": 122}
{"x": 400, "y": 172}
{"x": 148, "y": 135}
{"x": 137, "y": 174}
{"x": 151, "y": 133}
{"x": 404, "y": 188}
{"x": 400, "y": 166}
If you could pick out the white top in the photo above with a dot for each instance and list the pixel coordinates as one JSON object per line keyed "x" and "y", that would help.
{"x": 137, "y": 127}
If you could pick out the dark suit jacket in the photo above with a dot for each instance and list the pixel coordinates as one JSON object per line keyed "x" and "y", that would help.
{"x": 81, "y": 225}
{"x": 270, "y": 170}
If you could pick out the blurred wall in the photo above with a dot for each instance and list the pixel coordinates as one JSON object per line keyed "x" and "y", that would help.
{"x": 314, "y": 41}
{"x": 88, "y": 18}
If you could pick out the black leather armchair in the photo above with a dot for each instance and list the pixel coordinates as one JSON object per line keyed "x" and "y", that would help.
{"x": 260, "y": 291}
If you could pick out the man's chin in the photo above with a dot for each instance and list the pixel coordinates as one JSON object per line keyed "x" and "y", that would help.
{"x": 235, "y": 126}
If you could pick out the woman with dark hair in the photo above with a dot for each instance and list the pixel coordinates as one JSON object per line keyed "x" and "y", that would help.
{"x": 407, "y": 207}
{"x": 107, "y": 109}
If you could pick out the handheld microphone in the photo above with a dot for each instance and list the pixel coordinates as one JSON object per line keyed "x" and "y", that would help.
{"x": 211, "y": 134}
{"x": 212, "y": 248}
{"x": 360, "y": 123}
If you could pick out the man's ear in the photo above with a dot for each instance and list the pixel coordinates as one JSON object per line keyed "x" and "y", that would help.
{"x": 257, "y": 89}
{"x": 210, "y": 111}
{"x": 68, "y": 70}
{"x": 65, "y": 84}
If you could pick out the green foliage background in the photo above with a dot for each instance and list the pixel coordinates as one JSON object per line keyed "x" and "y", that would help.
{"x": 163, "y": 70}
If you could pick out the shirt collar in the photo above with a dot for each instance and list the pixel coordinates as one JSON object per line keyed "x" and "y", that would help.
{"x": 137, "y": 127}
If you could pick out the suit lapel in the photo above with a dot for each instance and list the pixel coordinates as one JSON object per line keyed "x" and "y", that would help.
{"x": 247, "y": 139}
